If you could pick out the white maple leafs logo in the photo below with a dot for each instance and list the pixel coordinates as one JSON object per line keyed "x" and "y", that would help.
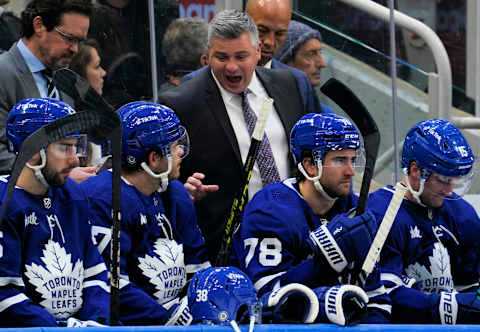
{"x": 439, "y": 278}
{"x": 58, "y": 281}
{"x": 415, "y": 233}
{"x": 166, "y": 269}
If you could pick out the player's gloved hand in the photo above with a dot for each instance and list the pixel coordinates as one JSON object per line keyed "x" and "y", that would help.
{"x": 345, "y": 240}
{"x": 459, "y": 308}
{"x": 293, "y": 303}
{"x": 180, "y": 313}
{"x": 342, "y": 305}
{"x": 73, "y": 322}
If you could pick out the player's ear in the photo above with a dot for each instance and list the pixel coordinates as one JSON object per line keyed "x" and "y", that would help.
{"x": 310, "y": 166}
{"x": 153, "y": 158}
{"x": 413, "y": 169}
{"x": 35, "y": 160}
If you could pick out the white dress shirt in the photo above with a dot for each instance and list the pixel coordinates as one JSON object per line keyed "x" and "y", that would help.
{"x": 274, "y": 130}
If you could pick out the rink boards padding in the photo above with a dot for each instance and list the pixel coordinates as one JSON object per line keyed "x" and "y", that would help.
{"x": 266, "y": 328}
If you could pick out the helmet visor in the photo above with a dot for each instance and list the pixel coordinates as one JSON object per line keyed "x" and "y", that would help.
{"x": 458, "y": 185}
{"x": 181, "y": 147}
{"x": 67, "y": 148}
{"x": 348, "y": 158}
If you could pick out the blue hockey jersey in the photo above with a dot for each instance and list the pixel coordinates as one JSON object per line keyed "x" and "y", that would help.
{"x": 160, "y": 243}
{"x": 427, "y": 251}
{"x": 49, "y": 268}
{"x": 271, "y": 245}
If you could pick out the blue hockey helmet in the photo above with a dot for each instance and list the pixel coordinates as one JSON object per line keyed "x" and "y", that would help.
{"x": 148, "y": 126}
{"x": 320, "y": 133}
{"x": 437, "y": 146}
{"x": 31, "y": 114}
{"x": 223, "y": 296}
{"x": 440, "y": 150}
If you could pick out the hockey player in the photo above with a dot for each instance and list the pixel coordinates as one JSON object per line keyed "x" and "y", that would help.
{"x": 50, "y": 271}
{"x": 432, "y": 250}
{"x": 286, "y": 236}
{"x": 160, "y": 240}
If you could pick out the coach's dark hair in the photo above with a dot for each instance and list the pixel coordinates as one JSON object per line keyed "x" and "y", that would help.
{"x": 51, "y": 12}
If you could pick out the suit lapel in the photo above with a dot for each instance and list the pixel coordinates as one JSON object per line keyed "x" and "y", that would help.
{"x": 25, "y": 75}
{"x": 217, "y": 106}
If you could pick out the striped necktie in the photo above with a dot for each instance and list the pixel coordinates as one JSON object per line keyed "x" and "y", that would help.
{"x": 51, "y": 91}
{"x": 265, "y": 161}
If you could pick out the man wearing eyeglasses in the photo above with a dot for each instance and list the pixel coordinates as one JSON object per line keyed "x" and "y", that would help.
{"x": 52, "y": 30}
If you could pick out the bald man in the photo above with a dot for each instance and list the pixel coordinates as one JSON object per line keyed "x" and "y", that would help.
{"x": 272, "y": 18}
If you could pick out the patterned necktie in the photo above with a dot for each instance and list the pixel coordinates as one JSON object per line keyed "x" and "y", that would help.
{"x": 48, "y": 75}
{"x": 266, "y": 162}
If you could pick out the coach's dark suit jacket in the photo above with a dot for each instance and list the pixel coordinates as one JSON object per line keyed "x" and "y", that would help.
{"x": 16, "y": 83}
{"x": 214, "y": 150}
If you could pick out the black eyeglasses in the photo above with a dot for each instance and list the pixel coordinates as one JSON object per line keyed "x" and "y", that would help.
{"x": 72, "y": 40}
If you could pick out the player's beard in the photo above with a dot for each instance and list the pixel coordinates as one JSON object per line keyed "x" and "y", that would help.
{"x": 336, "y": 193}
{"x": 54, "y": 178}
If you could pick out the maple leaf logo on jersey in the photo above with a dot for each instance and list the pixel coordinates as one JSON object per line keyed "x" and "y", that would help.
{"x": 165, "y": 269}
{"x": 439, "y": 278}
{"x": 58, "y": 281}
{"x": 415, "y": 233}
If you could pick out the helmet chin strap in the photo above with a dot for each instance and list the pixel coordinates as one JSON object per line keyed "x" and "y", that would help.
{"x": 415, "y": 194}
{"x": 162, "y": 176}
{"x": 37, "y": 169}
{"x": 316, "y": 180}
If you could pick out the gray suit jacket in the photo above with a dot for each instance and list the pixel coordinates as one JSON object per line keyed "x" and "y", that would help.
{"x": 16, "y": 83}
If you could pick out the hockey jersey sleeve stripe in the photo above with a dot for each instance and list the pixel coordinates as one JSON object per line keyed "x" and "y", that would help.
{"x": 377, "y": 292}
{"x": 192, "y": 268}
{"x": 4, "y": 281}
{"x": 94, "y": 270}
{"x": 265, "y": 280}
{"x": 12, "y": 300}
{"x": 99, "y": 283}
{"x": 392, "y": 278}
{"x": 384, "y": 307}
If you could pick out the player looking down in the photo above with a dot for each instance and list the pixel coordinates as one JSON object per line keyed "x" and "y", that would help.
{"x": 431, "y": 258}
{"x": 50, "y": 272}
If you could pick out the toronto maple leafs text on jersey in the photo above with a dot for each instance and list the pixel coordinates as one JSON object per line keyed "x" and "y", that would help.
{"x": 271, "y": 246}
{"x": 428, "y": 251}
{"x": 160, "y": 245}
{"x": 49, "y": 268}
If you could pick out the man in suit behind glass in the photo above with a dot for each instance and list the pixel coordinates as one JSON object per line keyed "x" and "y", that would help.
{"x": 210, "y": 106}
{"x": 52, "y": 30}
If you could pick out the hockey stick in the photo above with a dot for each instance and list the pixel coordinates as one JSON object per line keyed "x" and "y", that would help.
{"x": 345, "y": 98}
{"x": 87, "y": 98}
{"x": 233, "y": 220}
{"x": 348, "y": 102}
{"x": 79, "y": 89}
{"x": 383, "y": 229}
{"x": 54, "y": 131}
